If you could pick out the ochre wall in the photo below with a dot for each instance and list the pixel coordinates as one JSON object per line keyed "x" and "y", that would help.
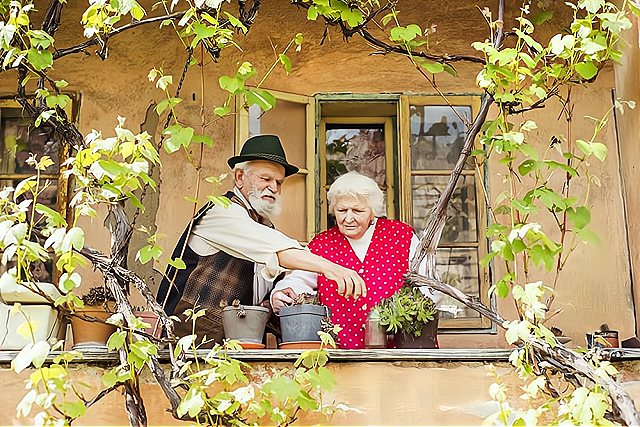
{"x": 594, "y": 287}
{"x": 380, "y": 393}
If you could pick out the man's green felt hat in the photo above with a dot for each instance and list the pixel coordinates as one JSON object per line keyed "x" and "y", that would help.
{"x": 263, "y": 147}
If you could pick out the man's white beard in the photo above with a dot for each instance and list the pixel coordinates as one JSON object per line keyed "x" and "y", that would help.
{"x": 263, "y": 207}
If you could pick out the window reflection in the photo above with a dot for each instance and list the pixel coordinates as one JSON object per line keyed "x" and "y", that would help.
{"x": 437, "y": 136}
{"x": 356, "y": 148}
{"x": 20, "y": 138}
{"x": 461, "y": 222}
{"x": 458, "y": 268}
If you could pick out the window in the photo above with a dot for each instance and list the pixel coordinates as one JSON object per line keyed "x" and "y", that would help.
{"x": 18, "y": 139}
{"x": 432, "y": 136}
{"x": 292, "y": 120}
{"x": 409, "y": 145}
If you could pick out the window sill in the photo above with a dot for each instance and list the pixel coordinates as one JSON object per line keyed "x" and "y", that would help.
{"x": 343, "y": 356}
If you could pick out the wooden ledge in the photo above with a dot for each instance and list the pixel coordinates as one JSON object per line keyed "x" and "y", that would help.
{"x": 343, "y": 356}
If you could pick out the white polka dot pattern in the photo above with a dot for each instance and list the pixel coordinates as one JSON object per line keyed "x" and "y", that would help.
{"x": 387, "y": 260}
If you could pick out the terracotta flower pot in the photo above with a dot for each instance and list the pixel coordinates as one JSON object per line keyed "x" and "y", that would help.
{"x": 248, "y": 328}
{"x": 91, "y": 332}
{"x": 151, "y": 318}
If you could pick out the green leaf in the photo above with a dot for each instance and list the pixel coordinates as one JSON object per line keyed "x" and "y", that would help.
{"x": 177, "y": 263}
{"x": 73, "y": 239}
{"x": 580, "y": 216}
{"x": 149, "y": 252}
{"x": 231, "y": 84}
{"x": 116, "y": 340}
{"x": 592, "y": 6}
{"x": 540, "y": 254}
{"x": 528, "y": 165}
{"x": 586, "y": 70}
{"x": 222, "y": 111}
{"x": 263, "y": 99}
{"x": 433, "y": 67}
{"x": 178, "y": 136}
{"x": 353, "y": 17}
{"x": 164, "y": 81}
{"x": 502, "y": 289}
{"x": 449, "y": 69}
{"x": 588, "y": 236}
{"x": 542, "y": 17}
{"x": 312, "y": 13}
{"x": 166, "y": 103}
{"x": 192, "y": 403}
{"x": 284, "y": 59}
{"x": 53, "y": 217}
{"x": 202, "y": 139}
{"x": 40, "y": 59}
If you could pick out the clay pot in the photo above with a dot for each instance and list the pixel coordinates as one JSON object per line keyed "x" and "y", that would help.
{"x": 427, "y": 339}
{"x": 91, "y": 332}
{"x": 248, "y": 328}
{"x": 151, "y": 318}
{"x": 301, "y": 322}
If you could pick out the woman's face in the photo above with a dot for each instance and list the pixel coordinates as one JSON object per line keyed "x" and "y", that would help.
{"x": 353, "y": 216}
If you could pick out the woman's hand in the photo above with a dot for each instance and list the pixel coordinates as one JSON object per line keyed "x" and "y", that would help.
{"x": 350, "y": 284}
{"x": 281, "y": 298}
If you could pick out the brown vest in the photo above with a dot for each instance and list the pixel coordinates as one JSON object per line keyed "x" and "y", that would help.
{"x": 208, "y": 282}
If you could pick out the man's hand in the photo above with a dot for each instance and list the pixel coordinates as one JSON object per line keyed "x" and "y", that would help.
{"x": 281, "y": 298}
{"x": 350, "y": 284}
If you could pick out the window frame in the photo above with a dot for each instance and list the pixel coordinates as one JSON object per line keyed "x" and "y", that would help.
{"x": 64, "y": 183}
{"x": 308, "y": 170}
{"x": 390, "y": 141}
{"x": 406, "y": 202}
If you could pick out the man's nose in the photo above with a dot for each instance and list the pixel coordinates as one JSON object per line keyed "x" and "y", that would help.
{"x": 273, "y": 186}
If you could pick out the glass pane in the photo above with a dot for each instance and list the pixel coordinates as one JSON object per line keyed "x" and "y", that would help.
{"x": 19, "y": 137}
{"x": 461, "y": 223}
{"x": 287, "y": 120}
{"x": 358, "y": 148}
{"x": 459, "y": 268}
{"x": 437, "y": 136}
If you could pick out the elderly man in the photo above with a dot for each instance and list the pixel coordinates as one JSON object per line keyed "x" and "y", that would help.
{"x": 234, "y": 252}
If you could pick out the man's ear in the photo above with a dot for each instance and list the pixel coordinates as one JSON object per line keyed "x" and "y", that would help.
{"x": 238, "y": 178}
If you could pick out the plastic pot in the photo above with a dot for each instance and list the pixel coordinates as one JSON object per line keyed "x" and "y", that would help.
{"x": 248, "y": 328}
{"x": 301, "y": 322}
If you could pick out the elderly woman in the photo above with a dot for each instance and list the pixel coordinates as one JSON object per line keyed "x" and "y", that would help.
{"x": 377, "y": 248}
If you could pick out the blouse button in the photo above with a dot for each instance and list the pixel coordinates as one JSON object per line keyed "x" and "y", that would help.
{"x": 361, "y": 271}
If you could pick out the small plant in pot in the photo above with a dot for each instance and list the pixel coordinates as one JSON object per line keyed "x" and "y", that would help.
{"x": 411, "y": 316}
{"x": 244, "y": 323}
{"x": 301, "y": 321}
{"x": 99, "y": 303}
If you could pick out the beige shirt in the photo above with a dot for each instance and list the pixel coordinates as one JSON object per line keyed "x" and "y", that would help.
{"x": 233, "y": 231}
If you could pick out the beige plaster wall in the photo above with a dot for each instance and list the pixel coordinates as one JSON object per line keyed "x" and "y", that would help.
{"x": 627, "y": 81}
{"x": 380, "y": 393}
{"x": 594, "y": 288}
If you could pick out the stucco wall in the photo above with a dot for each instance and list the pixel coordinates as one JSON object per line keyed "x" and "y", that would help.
{"x": 595, "y": 286}
{"x": 380, "y": 393}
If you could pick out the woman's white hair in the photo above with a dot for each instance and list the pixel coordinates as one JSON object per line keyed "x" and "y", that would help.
{"x": 356, "y": 185}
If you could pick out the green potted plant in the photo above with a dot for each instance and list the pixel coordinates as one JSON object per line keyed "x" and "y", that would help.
{"x": 99, "y": 303}
{"x": 411, "y": 316}
{"x": 301, "y": 321}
